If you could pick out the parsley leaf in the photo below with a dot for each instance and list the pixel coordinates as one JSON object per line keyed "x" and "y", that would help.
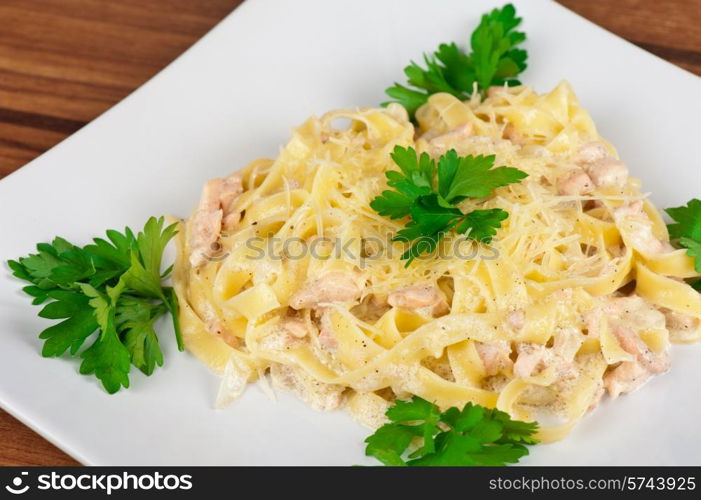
{"x": 429, "y": 193}
{"x": 472, "y": 176}
{"x": 693, "y": 249}
{"x": 687, "y": 229}
{"x": 79, "y": 322}
{"x": 514, "y": 431}
{"x": 482, "y": 225}
{"x": 134, "y": 319}
{"x": 109, "y": 290}
{"x": 473, "y": 436}
{"x": 430, "y": 220}
{"x": 112, "y": 258}
{"x": 393, "y": 204}
{"x": 414, "y": 180}
{"x": 107, "y": 358}
{"x": 494, "y": 60}
{"x": 409, "y": 98}
{"x": 457, "y": 67}
{"x": 389, "y": 442}
{"x": 688, "y": 221}
{"x": 55, "y": 266}
{"x": 421, "y": 411}
{"x": 428, "y": 216}
{"x": 144, "y": 275}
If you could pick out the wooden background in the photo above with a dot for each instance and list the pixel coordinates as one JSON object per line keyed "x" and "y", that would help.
{"x": 64, "y": 62}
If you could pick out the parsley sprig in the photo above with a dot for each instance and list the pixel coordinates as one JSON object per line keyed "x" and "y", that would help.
{"x": 472, "y": 436}
{"x": 429, "y": 194}
{"x": 686, "y": 231}
{"x": 494, "y": 60}
{"x": 111, "y": 288}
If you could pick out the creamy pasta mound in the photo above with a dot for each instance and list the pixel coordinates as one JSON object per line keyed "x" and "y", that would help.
{"x": 286, "y": 274}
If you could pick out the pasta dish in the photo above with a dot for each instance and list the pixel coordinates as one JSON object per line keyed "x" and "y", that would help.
{"x": 285, "y": 272}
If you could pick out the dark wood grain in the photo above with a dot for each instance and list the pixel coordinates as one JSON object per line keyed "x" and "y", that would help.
{"x": 22, "y": 446}
{"x": 669, "y": 28}
{"x": 64, "y": 62}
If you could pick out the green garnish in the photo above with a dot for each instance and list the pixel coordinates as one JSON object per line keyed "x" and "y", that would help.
{"x": 494, "y": 60}
{"x": 112, "y": 288}
{"x": 472, "y": 436}
{"x": 432, "y": 204}
{"x": 687, "y": 229}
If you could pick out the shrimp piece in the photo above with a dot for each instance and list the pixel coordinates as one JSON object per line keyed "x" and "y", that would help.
{"x": 532, "y": 358}
{"x": 576, "y": 184}
{"x": 206, "y": 223}
{"x": 625, "y": 378}
{"x": 608, "y": 172}
{"x": 294, "y": 327}
{"x": 214, "y": 211}
{"x": 602, "y": 168}
{"x": 215, "y": 326}
{"x": 591, "y": 152}
{"x": 327, "y": 334}
{"x": 512, "y": 134}
{"x": 630, "y": 342}
{"x": 593, "y": 321}
{"x": 633, "y": 209}
{"x": 682, "y": 327}
{"x": 639, "y": 227}
{"x": 631, "y": 375}
{"x": 679, "y": 321}
{"x": 495, "y": 356}
{"x": 452, "y": 138}
{"x": 516, "y": 319}
{"x": 424, "y": 299}
{"x": 331, "y": 287}
{"x": 232, "y": 187}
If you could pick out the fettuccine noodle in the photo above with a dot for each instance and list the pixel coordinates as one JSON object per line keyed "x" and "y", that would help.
{"x": 284, "y": 269}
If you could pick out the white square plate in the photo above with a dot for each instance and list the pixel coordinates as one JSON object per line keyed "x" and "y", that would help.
{"x": 233, "y": 97}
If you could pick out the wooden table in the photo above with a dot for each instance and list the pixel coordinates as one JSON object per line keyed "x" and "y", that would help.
{"x": 63, "y": 62}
